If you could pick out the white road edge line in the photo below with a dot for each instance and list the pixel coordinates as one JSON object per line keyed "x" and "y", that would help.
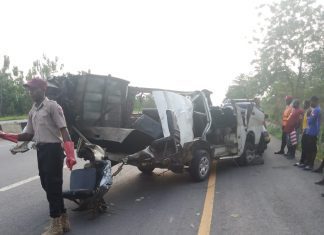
{"x": 11, "y": 186}
{"x": 6, "y": 188}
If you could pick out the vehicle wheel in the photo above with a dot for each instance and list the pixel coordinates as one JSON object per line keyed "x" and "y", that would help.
{"x": 147, "y": 169}
{"x": 200, "y": 165}
{"x": 249, "y": 156}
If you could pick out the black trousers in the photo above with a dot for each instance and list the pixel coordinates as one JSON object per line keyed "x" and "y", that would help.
{"x": 303, "y": 147}
{"x": 283, "y": 140}
{"x": 311, "y": 150}
{"x": 50, "y": 159}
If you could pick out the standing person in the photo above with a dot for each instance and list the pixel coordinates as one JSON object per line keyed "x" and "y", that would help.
{"x": 292, "y": 129}
{"x": 47, "y": 126}
{"x": 313, "y": 130}
{"x": 302, "y": 160}
{"x": 285, "y": 116}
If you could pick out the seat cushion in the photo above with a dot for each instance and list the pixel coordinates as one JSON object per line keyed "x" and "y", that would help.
{"x": 83, "y": 179}
{"x": 78, "y": 194}
{"x": 82, "y": 184}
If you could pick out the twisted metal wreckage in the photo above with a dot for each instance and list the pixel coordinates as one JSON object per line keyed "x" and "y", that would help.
{"x": 183, "y": 132}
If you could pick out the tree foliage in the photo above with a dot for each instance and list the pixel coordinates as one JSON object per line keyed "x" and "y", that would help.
{"x": 290, "y": 58}
{"x": 45, "y": 68}
{"x": 14, "y": 99}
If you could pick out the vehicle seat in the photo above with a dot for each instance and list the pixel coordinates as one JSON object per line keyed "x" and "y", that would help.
{"x": 199, "y": 123}
{"x": 149, "y": 126}
{"x": 152, "y": 113}
{"x": 174, "y": 137}
{"x": 230, "y": 118}
{"x": 215, "y": 135}
{"x": 218, "y": 119}
{"x": 82, "y": 184}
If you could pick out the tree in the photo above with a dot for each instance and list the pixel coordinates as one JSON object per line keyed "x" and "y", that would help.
{"x": 13, "y": 98}
{"x": 244, "y": 87}
{"x": 290, "y": 50}
{"x": 45, "y": 68}
{"x": 290, "y": 55}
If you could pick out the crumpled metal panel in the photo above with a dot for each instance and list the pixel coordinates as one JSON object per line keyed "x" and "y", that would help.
{"x": 117, "y": 140}
{"x": 183, "y": 110}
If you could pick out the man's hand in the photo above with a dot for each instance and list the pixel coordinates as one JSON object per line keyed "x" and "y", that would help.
{"x": 9, "y": 136}
{"x": 69, "y": 151}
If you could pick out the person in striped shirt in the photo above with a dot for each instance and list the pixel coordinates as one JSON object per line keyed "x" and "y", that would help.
{"x": 292, "y": 129}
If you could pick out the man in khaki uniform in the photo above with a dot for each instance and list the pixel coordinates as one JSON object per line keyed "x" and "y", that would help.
{"x": 47, "y": 127}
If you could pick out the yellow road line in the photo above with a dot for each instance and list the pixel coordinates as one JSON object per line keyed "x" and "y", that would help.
{"x": 207, "y": 214}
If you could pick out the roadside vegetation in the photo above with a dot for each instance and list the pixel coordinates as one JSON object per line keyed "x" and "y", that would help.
{"x": 16, "y": 117}
{"x": 289, "y": 60}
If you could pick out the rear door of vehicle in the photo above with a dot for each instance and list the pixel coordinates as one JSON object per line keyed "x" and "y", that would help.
{"x": 255, "y": 122}
{"x": 241, "y": 128}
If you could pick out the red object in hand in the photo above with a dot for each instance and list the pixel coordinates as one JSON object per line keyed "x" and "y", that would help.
{"x": 70, "y": 156}
{"x": 9, "y": 136}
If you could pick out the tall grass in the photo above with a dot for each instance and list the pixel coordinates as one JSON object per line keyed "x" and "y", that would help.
{"x": 9, "y": 118}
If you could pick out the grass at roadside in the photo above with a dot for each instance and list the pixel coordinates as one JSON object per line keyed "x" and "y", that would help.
{"x": 274, "y": 130}
{"x": 9, "y": 118}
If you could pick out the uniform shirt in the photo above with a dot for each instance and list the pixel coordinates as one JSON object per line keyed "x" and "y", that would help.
{"x": 313, "y": 122}
{"x": 286, "y": 115}
{"x": 45, "y": 122}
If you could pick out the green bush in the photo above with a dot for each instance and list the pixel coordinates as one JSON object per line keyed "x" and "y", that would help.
{"x": 274, "y": 130}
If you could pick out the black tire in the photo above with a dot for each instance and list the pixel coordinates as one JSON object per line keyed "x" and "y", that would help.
{"x": 242, "y": 160}
{"x": 146, "y": 170}
{"x": 200, "y": 165}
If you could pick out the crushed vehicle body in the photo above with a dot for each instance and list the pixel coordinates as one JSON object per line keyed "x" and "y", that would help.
{"x": 179, "y": 131}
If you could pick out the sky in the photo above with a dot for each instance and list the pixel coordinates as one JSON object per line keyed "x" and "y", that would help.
{"x": 171, "y": 44}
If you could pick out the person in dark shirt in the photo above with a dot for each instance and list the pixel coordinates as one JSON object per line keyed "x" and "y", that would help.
{"x": 313, "y": 130}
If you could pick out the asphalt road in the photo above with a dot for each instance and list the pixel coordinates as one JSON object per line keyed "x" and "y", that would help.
{"x": 274, "y": 198}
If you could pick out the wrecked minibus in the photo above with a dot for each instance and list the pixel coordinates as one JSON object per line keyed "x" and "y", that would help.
{"x": 180, "y": 131}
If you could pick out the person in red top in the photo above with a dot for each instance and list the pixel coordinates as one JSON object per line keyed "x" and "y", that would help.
{"x": 285, "y": 116}
{"x": 292, "y": 128}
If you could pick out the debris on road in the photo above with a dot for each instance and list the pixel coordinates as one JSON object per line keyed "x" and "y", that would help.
{"x": 139, "y": 199}
{"x": 235, "y": 215}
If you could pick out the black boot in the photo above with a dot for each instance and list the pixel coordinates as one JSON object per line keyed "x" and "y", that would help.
{"x": 289, "y": 153}
{"x": 283, "y": 143}
{"x": 320, "y": 168}
{"x": 320, "y": 182}
{"x": 292, "y": 152}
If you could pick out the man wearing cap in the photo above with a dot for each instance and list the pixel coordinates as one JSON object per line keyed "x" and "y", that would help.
{"x": 47, "y": 126}
{"x": 285, "y": 117}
